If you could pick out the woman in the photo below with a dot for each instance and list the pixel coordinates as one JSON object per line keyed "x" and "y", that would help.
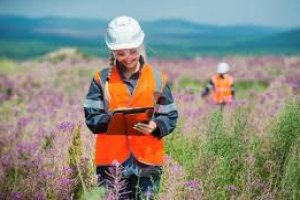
{"x": 130, "y": 82}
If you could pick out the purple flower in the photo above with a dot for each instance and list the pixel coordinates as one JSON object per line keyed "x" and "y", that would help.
{"x": 40, "y": 196}
{"x": 2, "y": 195}
{"x": 112, "y": 169}
{"x": 167, "y": 158}
{"x": 231, "y": 188}
{"x": 148, "y": 194}
{"x": 67, "y": 170}
{"x": 175, "y": 168}
{"x": 46, "y": 174}
{"x": 66, "y": 126}
{"x": 26, "y": 148}
{"x": 64, "y": 182}
{"x": 6, "y": 160}
{"x": 16, "y": 196}
{"x": 194, "y": 184}
{"x": 23, "y": 122}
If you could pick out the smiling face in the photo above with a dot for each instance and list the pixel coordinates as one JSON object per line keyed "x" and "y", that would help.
{"x": 128, "y": 57}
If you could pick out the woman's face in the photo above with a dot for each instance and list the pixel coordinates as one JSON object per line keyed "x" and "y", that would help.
{"x": 128, "y": 57}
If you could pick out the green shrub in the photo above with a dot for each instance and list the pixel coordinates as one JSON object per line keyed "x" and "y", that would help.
{"x": 183, "y": 149}
{"x": 284, "y": 150}
{"x": 190, "y": 85}
{"x": 243, "y": 88}
{"x": 222, "y": 157}
{"x": 7, "y": 66}
{"x": 291, "y": 177}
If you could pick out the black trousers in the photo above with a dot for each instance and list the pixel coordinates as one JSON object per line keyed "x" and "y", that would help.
{"x": 132, "y": 187}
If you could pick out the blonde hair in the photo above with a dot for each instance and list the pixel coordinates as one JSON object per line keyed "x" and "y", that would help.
{"x": 143, "y": 52}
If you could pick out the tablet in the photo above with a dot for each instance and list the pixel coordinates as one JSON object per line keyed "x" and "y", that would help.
{"x": 126, "y": 111}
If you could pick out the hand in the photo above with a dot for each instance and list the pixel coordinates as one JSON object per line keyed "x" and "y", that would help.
{"x": 204, "y": 95}
{"x": 145, "y": 128}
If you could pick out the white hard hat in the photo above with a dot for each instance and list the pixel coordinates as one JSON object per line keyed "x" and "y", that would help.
{"x": 124, "y": 33}
{"x": 222, "y": 68}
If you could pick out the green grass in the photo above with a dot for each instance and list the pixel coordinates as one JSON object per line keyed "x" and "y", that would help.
{"x": 183, "y": 149}
{"x": 87, "y": 73}
{"x": 232, "y": 162}
{"x": 18, "y": 49}
{"x": 7, "y": 66}
{"x": 222, "y": 157}
{"x": 190, "y": 85}
{"x": 285, "y": 150}
{"x": 243, "y": 88}
{"x": 290, "y": 182}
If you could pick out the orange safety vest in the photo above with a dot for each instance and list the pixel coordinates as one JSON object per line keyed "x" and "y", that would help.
{"x": 117, "y": 148}
{"x": 222, "y": 89}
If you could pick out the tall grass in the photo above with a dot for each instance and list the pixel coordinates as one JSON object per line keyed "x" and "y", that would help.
{"x": 83, "y": 169}
{"x": 230, "y": 160}
{"x": 290, "y": 183}
{"x": 183, "y": 149}
{"x": 223, "y": 161}
{"x": 285, "y": 150}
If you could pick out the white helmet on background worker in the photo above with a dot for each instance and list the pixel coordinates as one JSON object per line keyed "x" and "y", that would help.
{"x": 124, "y": 33}
{"x": 222, "y": 68}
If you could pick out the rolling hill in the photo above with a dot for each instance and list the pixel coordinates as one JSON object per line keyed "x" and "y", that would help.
{"x": 23, "y": 37}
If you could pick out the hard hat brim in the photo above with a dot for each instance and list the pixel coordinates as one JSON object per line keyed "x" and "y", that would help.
{"x": 138, "y": 43}
{"x": 222, "y": 71}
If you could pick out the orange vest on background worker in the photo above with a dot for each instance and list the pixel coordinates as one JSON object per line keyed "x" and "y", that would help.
{"x": 222, "y": 88}
{"x": 117, "y": 148}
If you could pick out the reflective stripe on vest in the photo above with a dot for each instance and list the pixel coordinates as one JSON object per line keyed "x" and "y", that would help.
{"x": 145, "y": 148}
{"x": 222, "y": 88}
{"x": 100, "y": 78}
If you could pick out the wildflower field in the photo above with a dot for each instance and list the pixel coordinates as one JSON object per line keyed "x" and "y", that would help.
{"x": 248, "y": 150}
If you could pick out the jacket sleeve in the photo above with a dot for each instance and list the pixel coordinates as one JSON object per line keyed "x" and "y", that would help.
{"x": 166, "y": 113}
{"x": 232, "y": 90}
{"x": 96, "y": 118}
{"x": 207, "y": 89}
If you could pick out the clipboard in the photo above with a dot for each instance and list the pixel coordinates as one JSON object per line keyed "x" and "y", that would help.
{"x": 124, "y": 119}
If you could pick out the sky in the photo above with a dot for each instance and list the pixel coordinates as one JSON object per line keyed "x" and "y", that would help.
{"x": 277, "y": 13}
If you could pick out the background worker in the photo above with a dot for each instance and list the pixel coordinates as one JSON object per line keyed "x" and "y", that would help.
{"x": 221, "y": 85}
